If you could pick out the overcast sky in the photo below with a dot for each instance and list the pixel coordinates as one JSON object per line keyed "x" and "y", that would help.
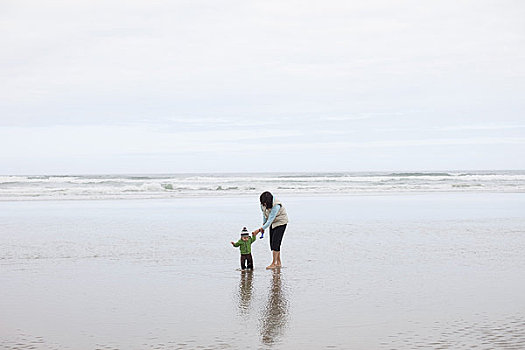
{"x": 230, "y": 86}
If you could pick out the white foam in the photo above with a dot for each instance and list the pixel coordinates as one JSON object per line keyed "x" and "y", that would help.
{"x": 90, "y": 187}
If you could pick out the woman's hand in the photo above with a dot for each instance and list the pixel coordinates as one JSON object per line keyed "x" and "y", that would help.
{"x": 232, "y": 243}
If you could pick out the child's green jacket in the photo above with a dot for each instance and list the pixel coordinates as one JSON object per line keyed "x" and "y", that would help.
{"x": 246, "y": 247}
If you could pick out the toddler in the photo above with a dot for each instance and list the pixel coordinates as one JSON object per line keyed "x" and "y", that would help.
{"x": 246, "y": 248}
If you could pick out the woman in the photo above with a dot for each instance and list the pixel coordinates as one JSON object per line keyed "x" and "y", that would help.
{"x": 275, "y": 217}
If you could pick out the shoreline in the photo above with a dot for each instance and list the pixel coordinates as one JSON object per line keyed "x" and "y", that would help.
{"x": 243, "y": 195}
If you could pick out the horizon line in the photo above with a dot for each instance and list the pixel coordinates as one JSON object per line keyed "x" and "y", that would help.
{"x": 267, "y": 172}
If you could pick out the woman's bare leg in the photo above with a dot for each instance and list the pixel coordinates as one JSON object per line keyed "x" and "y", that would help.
{"x": 278, "y": 260}
{"x": 274, "y": 261}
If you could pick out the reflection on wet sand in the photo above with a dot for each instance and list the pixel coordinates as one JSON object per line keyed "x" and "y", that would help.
{"x": 245, "y": 291}
{"x": 274, "y": 316}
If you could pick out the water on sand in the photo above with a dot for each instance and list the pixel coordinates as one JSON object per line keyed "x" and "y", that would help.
{"x": 435, "y": 270}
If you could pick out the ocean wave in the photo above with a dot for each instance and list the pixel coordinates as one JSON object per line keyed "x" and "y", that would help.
{"x": 167, "y": 186}
{"x": 419, "y": 174}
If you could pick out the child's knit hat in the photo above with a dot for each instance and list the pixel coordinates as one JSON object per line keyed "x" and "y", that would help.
{"x": 244, "y": 232}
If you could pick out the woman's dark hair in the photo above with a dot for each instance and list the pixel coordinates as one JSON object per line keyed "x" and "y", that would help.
{"x": 267, "y": 200}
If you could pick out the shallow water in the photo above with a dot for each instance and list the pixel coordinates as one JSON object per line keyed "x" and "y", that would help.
{"x": 411, "y": 271}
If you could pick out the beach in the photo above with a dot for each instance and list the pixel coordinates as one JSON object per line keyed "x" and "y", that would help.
{"x": 139, "y": 138}
{"x": 428, "y": 270}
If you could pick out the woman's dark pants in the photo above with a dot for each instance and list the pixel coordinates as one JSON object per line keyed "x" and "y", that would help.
{"x": 276, "y": 237}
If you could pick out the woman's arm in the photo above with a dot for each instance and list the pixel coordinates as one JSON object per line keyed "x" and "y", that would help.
{"x": 264, "y": 216}
{"x": 271, "y": 217}
{"x": 265, "y": 219}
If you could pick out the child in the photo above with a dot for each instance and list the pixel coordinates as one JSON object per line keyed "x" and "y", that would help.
{"x": 246, "y": 248}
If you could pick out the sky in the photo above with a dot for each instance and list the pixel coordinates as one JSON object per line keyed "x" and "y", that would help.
{"x": 114, "y": 86}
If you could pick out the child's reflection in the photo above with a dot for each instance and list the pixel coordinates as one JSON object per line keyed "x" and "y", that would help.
{"x": 274, "y": 315}
{"x": 245, "y": 291}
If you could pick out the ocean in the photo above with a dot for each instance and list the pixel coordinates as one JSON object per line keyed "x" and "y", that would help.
{"x": 423, "y": 261}
{"x": 183, "y": 185}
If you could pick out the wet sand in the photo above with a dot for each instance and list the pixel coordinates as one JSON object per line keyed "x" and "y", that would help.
{"x": 418, "y": 271}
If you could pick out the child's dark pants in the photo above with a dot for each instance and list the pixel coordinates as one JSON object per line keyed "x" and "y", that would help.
{"x": 246, "y": 258}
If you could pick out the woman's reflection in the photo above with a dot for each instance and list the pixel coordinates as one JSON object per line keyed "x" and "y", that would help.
{"x": 274, "y": 317}
{"x": 245, "y": 291}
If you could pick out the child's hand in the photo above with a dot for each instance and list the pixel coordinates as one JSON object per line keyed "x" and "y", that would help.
{"x": 232, "y": 243}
